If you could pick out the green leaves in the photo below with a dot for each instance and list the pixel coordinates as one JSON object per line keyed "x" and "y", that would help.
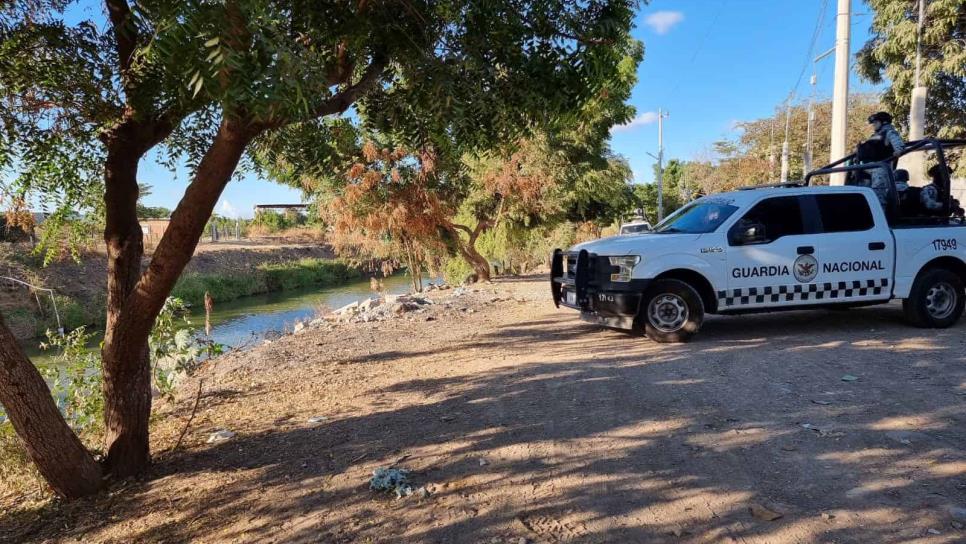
{"x": 890, "y": 55}
{"x": 462, "y": 76}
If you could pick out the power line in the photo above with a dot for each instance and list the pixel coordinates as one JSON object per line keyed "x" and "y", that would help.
{"x": 811, "y": 48}
{"x": 786, "y": 151}
{"x": 704, "y": 38}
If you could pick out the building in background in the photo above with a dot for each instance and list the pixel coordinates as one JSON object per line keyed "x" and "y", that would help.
{"x": 153, "y": 229}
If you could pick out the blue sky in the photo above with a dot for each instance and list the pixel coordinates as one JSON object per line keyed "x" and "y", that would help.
{"x": 710, "y": 63}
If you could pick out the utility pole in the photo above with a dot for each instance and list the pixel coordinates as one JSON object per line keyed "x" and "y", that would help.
{"x": 661, "y": 116}
{"x": 914, "y": 163}
{"x": 771, "y": 148}
{"x": 809, "y": 136}
{"x": 788, "y": 124}
{"x": 840, "y": 94}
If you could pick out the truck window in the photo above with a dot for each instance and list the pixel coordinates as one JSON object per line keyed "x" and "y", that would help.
{"x": 844, "y": 212}
{"x": 699, "y": 217}
{"x": 768, "y": 221}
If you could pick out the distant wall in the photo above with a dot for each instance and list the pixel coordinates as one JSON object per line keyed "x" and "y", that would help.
{"x": 959, "y": 189}
{"x": 153, "y": 229}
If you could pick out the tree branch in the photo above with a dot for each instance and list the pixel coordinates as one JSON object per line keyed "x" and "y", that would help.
{"x": 586, "y": 40}
{"x": 345, "y": 98}
{"x": 185, "y": 228}
{"x": 125, "y": 36}
{"x": 341, "y": 101}
{"x": 463, "y": 228}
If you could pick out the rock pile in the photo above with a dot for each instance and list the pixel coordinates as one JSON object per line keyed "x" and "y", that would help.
{"x": 379, "y": 309}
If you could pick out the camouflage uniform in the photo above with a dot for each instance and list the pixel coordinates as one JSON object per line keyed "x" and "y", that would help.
{"x": 880, "y": 178}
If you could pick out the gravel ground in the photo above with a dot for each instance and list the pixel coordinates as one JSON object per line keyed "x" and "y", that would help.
{"x": 527, "y": 425}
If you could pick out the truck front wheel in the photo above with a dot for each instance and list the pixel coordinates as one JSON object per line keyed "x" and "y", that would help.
{"x": 671, "y": 311}
{"x": 936, "y": 300}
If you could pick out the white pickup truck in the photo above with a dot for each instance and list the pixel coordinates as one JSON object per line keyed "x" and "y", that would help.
{"x": 777, "y": 248}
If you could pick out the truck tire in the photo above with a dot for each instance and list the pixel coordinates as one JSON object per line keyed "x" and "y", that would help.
{"x": 671, "y": 311}
{"x": 936, "y": 300}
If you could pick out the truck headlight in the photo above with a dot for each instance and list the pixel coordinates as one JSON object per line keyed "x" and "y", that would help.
{"x": 625, "y": 265}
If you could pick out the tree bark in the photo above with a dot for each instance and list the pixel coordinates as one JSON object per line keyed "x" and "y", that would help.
{"x": 467, "y": 250}
{"x": 126, "y": 365}
{"x": 135, "y": 299}
{"x": 59, "y": 455}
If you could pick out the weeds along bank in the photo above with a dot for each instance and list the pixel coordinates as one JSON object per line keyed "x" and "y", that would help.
{"x": 264, "y": 278}
{"x": 76, "y": 383}
{"x": 225, "y": 270}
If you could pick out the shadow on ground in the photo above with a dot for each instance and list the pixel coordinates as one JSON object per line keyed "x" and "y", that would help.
{"x": 596, "y": 436}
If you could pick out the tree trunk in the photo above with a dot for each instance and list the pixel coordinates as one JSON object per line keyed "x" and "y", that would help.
{"x": 467, "y": 250}
{"x": 127, "y": 376}
{"x": 126, "y": 365}
{"x": 481, "y": 267}
{"x": 60, "y": 457}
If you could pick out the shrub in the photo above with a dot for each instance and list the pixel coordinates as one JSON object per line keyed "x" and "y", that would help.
{"x": 75, "y": 381}
{"x": 175, "y": 350}
{"x": 456, "y": 270}
{"x": 191, "y": 288}
{"x": 306, "y": 272}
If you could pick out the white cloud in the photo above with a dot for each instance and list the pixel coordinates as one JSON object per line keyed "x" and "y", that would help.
{"x": 227, "y": 210}
{"x": 662, "y": 21}
{"x": 646, "y": 118}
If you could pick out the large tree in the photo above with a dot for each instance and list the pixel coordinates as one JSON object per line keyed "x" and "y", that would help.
{"x": 562, "y": 170}
{"x": 84, "y": 102}
{"x": 890, "y": 54}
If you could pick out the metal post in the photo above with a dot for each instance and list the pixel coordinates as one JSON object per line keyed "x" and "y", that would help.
{"x": 809, "y": 136}
{"x": 785, "y": 157}
{"x": 660, "y": 165}
{"x": 809, "y": 119}
{"x": 840, "y": 94}
{"x": 915, "y": 162}
{"x": 661, "y": 116}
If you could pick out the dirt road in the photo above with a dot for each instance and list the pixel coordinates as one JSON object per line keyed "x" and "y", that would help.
{"x": 525, "y": 423}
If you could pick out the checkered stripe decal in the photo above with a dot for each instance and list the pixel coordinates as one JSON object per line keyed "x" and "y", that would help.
{"x": 802, "y": 293}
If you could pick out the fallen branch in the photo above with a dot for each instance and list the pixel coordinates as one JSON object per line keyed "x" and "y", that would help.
{"x": 191, "y": 417}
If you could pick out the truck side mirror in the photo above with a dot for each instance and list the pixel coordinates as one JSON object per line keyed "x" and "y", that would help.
{"x": 746, "y": 233}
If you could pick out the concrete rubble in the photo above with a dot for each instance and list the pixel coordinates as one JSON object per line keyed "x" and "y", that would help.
{"x": 388, "y": 307}
{"x": 379, "y": 308}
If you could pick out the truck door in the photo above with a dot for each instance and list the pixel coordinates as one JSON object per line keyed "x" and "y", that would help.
{"x": 854, "y": 257}
{"x": 764, "y": 246}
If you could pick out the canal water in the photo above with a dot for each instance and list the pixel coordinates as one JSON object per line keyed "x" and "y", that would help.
{"x": 247, "y": 321}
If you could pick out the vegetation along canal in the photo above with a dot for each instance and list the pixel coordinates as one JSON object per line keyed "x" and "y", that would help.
{"x": 247, "y": 321}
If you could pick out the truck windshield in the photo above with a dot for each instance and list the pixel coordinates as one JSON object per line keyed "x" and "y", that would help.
{"x": 697, "y": 218}
{"x": 635, "y": 228}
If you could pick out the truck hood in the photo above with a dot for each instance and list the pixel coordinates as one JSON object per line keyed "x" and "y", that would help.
{"x": 636, "y": 244}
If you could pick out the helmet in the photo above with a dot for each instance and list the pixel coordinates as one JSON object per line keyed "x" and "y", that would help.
{"x": 881, "y": 117}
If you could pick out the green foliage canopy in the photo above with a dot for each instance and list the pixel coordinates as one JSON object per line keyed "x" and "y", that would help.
{"x": 474, "y": 72}
{"x": 890, "y": 54}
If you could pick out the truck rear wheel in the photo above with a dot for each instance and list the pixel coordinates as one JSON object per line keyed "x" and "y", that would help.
{"x": 671, "y": 312}
{"x": 936, "y": 300}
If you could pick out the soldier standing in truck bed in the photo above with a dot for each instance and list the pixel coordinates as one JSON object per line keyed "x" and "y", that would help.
{"x": 886, "y": 134}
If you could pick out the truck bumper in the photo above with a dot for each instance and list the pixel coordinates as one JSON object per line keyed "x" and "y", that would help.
{"x": 583, "y": 284}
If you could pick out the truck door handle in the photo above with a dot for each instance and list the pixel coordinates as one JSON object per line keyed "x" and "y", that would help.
{"x": 806, "y": 250}
{"x": 876, "y": 246}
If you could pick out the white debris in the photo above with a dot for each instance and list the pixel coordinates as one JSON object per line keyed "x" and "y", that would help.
{"x": 221, "y": 435}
